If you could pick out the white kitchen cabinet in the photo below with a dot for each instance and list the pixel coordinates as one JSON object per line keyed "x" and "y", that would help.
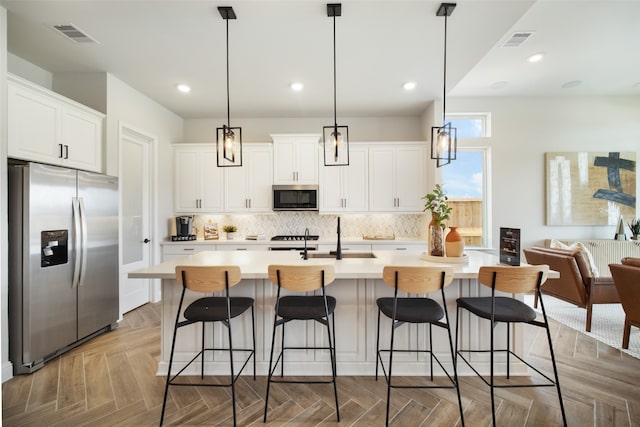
{"x": 295, "y": 159}
{"x": 350, "y": 247}
{"x": 397, "y": 177}
{"x": 418, "y": 246}
{"x": 198, "y": 180}
{"x": 46, "y": 127}
{"x": 243, "y": 247}
{"x": 249, "y": 188}
{"x": 345, "y": 188}
{"x": 179, "y": 249}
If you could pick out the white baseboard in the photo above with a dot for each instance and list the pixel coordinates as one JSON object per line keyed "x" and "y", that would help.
{"x": 7, "y": 371}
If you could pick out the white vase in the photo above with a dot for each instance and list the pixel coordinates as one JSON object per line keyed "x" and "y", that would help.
{"x": 231, "y": 235}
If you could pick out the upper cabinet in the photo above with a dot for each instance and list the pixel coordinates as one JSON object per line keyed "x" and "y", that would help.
{"x": 344, "y": 188}
{"x": 46, "y": 127}
{"x": 295, "y": 159}
{"x": 248, "y": 188}
{"x": 198, "y": 179}
{"x": 397, "y": 177}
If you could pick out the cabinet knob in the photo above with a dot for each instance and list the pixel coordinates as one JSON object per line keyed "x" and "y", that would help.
{"x": 146, "y": 241}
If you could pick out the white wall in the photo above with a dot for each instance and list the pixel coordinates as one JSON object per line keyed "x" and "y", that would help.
{"x": 259, "y": 129}
{"x": 89, "y": 89}
{"x": 523, "y": 129}
{"x": 4, "y": 282}
{"x": 28, "y": 70}
{"x": 125, "y": 104}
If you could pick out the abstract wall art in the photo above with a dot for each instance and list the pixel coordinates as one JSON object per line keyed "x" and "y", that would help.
{"x": 590, "y": 188}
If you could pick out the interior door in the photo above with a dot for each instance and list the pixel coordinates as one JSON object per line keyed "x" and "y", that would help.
{"x": 135, "y": 214}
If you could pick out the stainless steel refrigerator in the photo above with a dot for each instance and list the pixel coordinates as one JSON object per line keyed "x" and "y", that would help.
{"x": 63, "y": 260}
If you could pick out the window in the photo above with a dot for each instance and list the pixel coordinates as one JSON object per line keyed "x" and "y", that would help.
{"x": 466, "y": 180}
{"x": 471, "y": 125}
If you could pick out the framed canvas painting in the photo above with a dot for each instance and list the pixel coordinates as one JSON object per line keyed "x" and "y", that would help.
{"x": 590, "y": 188}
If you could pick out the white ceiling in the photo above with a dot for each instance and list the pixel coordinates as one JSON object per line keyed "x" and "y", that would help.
{"x": 155, "y": 44}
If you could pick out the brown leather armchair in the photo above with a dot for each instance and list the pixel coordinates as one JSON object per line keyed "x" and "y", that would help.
{"x": 627, "y": 279}
{"x": 575, "y": 284}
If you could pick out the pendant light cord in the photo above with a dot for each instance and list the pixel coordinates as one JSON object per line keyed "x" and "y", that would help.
{"x": 335, "y": 114}
{"x": 444, "y": 84}
{"x": 228, "y": 107}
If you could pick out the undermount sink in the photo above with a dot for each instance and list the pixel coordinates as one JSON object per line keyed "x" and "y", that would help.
{"x": 344, "y": 255}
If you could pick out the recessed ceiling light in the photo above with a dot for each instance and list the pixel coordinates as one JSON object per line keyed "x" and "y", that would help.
{"x": 183, "y": 88}
{"x": 572, "y": 83}
{"x": 297, "y": 86}
{"x": 536, "y": 57}
{"x": 499, "y": 85}
{"x": 409, "y": 85}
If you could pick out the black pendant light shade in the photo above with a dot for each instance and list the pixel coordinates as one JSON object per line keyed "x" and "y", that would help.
{"x": 228, "y": 139}
{"x": 335, "y": 138}
{"x": 444, "y": 139}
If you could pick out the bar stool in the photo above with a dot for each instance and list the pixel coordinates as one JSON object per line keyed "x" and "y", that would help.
{"x": 302, "y": 278}
{"x": 211, "y": 309}
{"x": 416, "y": 280}
{"x": 513, "y": 280}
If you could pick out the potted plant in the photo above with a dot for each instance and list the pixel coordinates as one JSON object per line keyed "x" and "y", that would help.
{"x": 436, "y": 203}
{"x": 634, "y": 227}
{"x": 230, "y": 230}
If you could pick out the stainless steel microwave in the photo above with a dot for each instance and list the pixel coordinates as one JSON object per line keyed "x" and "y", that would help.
{"x": 295, "y": 197}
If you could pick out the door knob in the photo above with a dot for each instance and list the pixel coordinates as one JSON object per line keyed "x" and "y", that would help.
{"x": 146, "y": 241}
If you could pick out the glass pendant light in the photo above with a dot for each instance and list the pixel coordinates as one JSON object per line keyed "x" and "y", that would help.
{"x": 228, "y": 139}
{"x": 335, "y": 138}
{"x": 444, "y": 139}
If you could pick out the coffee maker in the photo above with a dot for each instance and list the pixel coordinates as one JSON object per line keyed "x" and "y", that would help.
{"x": 184, "y": 229}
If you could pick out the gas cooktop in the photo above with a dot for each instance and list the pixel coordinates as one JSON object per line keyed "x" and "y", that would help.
{"x": 295, "y": 237}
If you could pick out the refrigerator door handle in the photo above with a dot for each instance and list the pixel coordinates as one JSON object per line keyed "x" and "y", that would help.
{"x": 83, "y": 217}
{"x": 77, "y": 233}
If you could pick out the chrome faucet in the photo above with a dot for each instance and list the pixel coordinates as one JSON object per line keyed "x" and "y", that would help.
{"x": 305, "y": 254}
{"x": 338, "y": 246}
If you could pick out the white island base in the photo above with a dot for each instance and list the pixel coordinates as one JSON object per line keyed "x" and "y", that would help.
{"x": 356, "y": 289}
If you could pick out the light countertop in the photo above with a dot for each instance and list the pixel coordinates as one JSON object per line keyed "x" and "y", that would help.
{"x": 345, "y": 240}
{"x": 254, "y": 264}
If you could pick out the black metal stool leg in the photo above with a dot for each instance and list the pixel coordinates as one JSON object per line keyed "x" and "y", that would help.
{"x": 431, "y": 350}
{"x": 282, "y": 358}
{"x": 493, "y": 403}
{"x": 393, "y": 331}
{"x": 508, "y": 348}
{"x": 202, "y": 353}
{"x": 253, "y": 330}
{"x": 555, "y": 371}
{"x": 166, "y": 387}
{"x": 333, "y": 367}
{"x": 455, "y": 374}
{"x": 270, "y": 372}
{"x": 233, "y": 381}
{"x": 378, "y": 345}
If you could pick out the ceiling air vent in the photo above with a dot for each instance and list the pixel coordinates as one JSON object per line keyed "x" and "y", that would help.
{"x": 73, "y": 33}
{"x": 517, "y": 39}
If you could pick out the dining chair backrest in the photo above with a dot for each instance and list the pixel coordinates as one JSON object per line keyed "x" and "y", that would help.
{"x": 417, "y": 279}
{"x": 206, "y": 279}
{"x": 513, "y": 279}
{"x": 301, "y": 278}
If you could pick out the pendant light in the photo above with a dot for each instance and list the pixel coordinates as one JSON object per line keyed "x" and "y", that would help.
{"x": 228, "y": 139}
{"x": 335, "y": 138}
{"x": 444, "y": 139}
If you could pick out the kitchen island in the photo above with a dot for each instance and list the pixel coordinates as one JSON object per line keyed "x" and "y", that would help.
{"x": 357, "y": 286}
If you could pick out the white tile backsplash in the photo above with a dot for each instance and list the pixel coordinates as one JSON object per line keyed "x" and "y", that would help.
{"x": 352, "y": 225}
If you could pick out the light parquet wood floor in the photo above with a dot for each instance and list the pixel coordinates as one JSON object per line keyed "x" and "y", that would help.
{"x": 110, "y": 381}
